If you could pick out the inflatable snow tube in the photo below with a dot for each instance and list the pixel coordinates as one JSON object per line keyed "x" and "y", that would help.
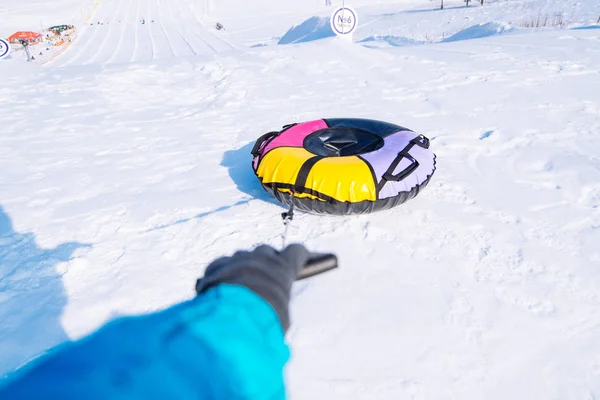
{"x": 343, "y": 166}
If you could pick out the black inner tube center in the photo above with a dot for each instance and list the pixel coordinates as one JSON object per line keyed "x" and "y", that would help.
{"x": 342, "y": 141}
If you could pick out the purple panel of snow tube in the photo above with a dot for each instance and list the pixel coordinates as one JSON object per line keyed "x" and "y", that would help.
{"x": 382, "y": 159}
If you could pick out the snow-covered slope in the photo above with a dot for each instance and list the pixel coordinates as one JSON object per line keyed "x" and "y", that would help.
{"x": 122, "y": 31}
{"x": 120, "y": 181}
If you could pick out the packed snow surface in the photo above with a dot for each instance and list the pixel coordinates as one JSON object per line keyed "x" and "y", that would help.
{"x": 125, "y": 169}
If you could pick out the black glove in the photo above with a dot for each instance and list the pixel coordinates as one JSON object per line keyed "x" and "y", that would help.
{"x": 266, "y": 271}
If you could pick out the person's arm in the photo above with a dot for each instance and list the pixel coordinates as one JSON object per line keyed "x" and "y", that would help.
{"x": 227, "y": 343}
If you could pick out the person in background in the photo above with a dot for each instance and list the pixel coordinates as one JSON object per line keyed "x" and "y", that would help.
{"x": 226, "y": 343}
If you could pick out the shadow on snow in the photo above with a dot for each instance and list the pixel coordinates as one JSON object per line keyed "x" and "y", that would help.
{"x": 32, "y": 295}
{"x": 239, "y": 166}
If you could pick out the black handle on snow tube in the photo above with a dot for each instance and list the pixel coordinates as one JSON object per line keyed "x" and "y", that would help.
{"x": 259, "y": 142}
{"x": 267, "y": 137}
{"x": 420, "y": 141}
{"x": 317, "y": 264}
{"x": 389, "y": 176}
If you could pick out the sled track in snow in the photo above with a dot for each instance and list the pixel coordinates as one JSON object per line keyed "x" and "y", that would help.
{"x": 123, "y": 34}
{"x": 193, "y": 22}
{"x": 117, "y": 35}
{"x": 164, "y": 32}
{"x": 180, "y": 34}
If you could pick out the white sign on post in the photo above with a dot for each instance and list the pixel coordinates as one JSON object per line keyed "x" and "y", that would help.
{"x": 4, "y": 49}
{"x": 344, "y": 21}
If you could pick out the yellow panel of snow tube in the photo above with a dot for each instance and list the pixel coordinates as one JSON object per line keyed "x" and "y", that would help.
{"x": 353, "y": 179}
{"x": 281, "y": 165}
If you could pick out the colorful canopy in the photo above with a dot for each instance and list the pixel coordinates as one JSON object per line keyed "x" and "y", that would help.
{"x": 60, "y": 28}
{"x": 31, "y": 37}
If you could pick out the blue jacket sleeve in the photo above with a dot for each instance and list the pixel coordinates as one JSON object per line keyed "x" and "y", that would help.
{"x": 225, "y": 344}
